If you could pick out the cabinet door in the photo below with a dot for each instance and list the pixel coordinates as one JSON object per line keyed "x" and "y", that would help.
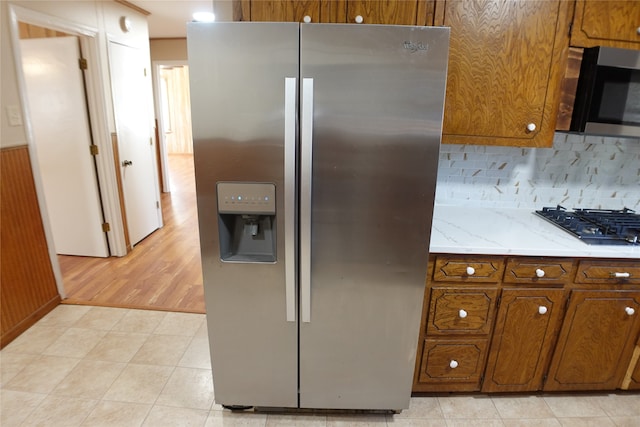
{"x": 596, "y": 341}
{"x": 506, "y": 62}
{"x": 282, "y": 10}
{"x": 526, "y": 329}
{"x": 406, "y": 12}
{"x": 606, "y": 23}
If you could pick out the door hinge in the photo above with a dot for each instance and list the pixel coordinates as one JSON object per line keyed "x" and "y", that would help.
{"x": 94, "y": 149}
{"x": 150, "y": 141}
{"x": 83, "y": 64}
{"x": 157, "y": 205}
{"x": 145, "y": 72}
{"x": 106, "y": 227}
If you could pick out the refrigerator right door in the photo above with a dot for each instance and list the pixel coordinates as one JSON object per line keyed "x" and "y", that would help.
{"x": 371, "y": 118}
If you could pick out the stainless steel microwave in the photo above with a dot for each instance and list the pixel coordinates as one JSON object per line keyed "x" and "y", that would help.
{"x": 608, "y": 94}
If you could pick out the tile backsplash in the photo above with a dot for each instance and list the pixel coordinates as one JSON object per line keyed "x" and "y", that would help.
{"x": 579, "y": 171}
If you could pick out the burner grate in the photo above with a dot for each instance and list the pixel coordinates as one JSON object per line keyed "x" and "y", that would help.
{"x": 596, "y": 226}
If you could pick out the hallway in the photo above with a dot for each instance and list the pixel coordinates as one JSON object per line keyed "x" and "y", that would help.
{"x": 163, "y": 272}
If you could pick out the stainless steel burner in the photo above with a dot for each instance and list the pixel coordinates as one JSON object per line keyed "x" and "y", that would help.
{"x": 596, "y": 226}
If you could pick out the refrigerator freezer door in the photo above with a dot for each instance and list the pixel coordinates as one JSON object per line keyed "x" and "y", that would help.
{"x": 378, "y": 105}
{"x": 240, "y": 74}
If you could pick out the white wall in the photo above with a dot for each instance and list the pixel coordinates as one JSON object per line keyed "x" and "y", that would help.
{"x": 101, "y": 16}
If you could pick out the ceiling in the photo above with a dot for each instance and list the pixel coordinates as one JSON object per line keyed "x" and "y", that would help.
{"x": 168, "y": 18}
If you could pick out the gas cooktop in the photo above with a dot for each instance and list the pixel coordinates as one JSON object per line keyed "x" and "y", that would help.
{"x": 596, "y": 226}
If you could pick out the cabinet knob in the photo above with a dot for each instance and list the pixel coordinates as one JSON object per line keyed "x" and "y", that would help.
{"x": 306, "y": 19}
{"x": 638, "y": 31}
{"x": 359, "y": 19}
{"x": 453, "y": 364}
{"x": 462, "y": 313}
{"x": 539, "y": 272}
{"x": 531, "y": 127}
{"x": 619, "y": 275}
{"x": 471, "y": 271}
{"x": 542, "y": 309}
{"x": 630, "y": 311}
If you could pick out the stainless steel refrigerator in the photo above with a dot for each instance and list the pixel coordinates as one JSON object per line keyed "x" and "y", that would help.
{"x": 316, "y": 150}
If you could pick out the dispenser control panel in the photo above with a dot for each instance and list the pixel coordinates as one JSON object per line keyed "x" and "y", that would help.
{"x": 246, "y": 197}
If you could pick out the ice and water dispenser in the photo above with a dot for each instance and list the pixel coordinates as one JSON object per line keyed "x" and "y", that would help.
{"x": 247, "y": 221}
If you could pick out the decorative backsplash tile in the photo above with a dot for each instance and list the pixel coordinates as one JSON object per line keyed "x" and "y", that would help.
{"x": 579, "y": 171}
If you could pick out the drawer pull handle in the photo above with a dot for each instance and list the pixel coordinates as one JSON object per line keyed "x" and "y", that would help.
{"x": 618, "y": 275}
{"x": 453, "y": 364}
{"x": 471, "y": 271}
{"x": 306, "y": 19}
{"x": 539, "y": 272}
{"x": 359, "y": 19}
{"x": 630, "y": 311}
{"x": 542, "y": 309}
{"x": 462, "y": 313}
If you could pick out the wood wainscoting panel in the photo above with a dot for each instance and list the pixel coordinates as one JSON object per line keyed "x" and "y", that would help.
{"x": 28, "y": 290}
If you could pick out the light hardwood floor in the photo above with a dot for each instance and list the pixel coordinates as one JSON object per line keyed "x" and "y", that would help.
{"x": 162, "y": 272}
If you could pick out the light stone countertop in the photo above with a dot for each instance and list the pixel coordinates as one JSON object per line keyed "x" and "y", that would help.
{"x": 486, "y": 231}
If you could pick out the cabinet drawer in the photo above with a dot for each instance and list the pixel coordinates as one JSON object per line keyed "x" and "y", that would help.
{"x": 538, "y": 270}
{"x": 468, "y": 269}
{"x": 612, "y": 271}
{"x": 453, "y": 361}
{"x": 461, "y": 311}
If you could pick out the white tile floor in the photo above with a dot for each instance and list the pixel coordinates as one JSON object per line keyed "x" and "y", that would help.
{"x": 96, "y": 366}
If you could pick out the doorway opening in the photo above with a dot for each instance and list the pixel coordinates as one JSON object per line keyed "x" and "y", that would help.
{"x": 164, "y": 271}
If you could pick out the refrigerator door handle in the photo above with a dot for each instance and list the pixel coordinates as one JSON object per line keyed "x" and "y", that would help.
{"x": 290, "y": 88}
{"x": 306, "y": 172}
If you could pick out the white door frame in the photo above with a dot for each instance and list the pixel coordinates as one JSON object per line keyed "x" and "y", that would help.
{"x": 164, "y": 157}
{"x": 98, "y": 117}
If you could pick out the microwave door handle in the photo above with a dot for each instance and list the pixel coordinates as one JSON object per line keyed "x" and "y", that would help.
{"x": 306, "y": 176}
{"x": 290, "y": 88}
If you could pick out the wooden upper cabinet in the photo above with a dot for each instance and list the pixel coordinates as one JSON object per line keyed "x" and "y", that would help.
{"x": 606, "y": 23}
{"x": 279, "y": 10}
{"x": 506, "y": 62}
{"x": 392, "y": 12}
{"x": 406, "y": 12}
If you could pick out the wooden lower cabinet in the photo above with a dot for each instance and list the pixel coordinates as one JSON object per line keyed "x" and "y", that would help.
{"x": 519, "y": 324}
{"x": 452, "y": 365}
{"x": 596, "y": 342}
{"x": 461, "y": 311}
{"x": 526, "y": 330}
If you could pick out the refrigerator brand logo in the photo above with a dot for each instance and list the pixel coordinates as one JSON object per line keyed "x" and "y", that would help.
{"x": 414, "y": 47}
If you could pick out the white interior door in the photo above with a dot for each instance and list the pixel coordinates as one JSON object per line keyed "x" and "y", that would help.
{"x": 60, "y": 125}
{"x": 131, "y": 89}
